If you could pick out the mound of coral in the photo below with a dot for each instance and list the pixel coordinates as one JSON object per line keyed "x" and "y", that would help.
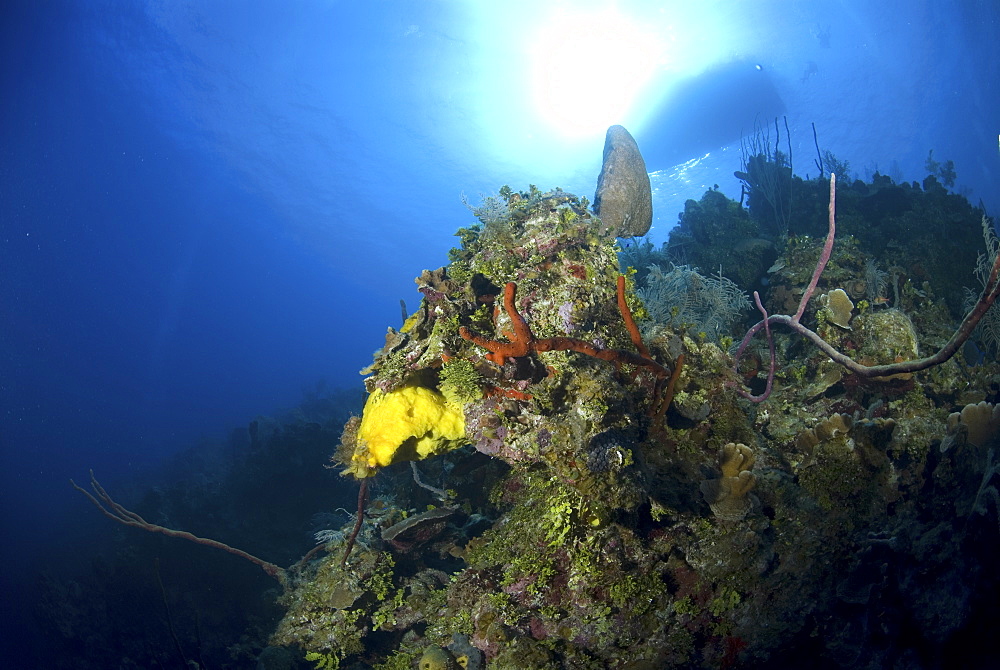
{"x": 551, "y": 488}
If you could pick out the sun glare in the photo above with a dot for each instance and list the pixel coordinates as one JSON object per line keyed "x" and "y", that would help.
{"x": 588, "y": 68}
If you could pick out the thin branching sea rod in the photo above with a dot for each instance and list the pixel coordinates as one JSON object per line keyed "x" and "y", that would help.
{"x": 989, "y": 294}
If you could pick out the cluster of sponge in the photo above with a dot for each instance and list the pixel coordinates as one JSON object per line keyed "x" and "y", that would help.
{"x": 408, "y": 424}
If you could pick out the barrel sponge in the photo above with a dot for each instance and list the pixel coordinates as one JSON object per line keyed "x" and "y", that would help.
{"x": 407, "y": 424}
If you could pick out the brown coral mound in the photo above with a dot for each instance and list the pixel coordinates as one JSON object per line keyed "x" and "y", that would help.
{"x": 728, "y": 496}
{"x": 975, "y": 424}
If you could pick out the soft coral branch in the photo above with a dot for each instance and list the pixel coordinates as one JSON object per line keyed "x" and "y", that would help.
{"x": 986, "y": 299}
{"x": 116, "y": 512}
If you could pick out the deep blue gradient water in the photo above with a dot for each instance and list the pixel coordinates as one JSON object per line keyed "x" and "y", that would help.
{"x": 207, "y": 208}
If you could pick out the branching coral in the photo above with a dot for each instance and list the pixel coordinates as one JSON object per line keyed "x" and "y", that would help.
{"x": 991, "y": 290}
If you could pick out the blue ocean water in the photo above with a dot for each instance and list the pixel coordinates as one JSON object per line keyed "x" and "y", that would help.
{"x": 207, "y": 210}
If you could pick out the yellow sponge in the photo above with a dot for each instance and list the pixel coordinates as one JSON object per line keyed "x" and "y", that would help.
{"x": 408, "y": 424}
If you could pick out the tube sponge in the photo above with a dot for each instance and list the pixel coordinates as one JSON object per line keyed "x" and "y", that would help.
{"x": 408, "y": 424}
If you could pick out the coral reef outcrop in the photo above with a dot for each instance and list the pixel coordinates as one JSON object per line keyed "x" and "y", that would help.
{"x": 573, "y": 533}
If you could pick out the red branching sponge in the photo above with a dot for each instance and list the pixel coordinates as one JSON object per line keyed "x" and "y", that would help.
{"x": 523, "y": 342}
